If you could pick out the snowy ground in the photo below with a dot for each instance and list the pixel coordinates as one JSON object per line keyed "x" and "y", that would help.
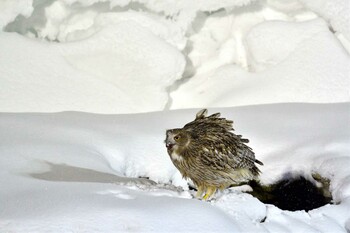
{"x": 279, "y": 69}
{"x": 68, "y": 171}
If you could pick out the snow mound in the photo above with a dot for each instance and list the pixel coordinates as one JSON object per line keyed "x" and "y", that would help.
{"x": 73, "y": 20}
{"x": 286, "y": 37}
{"x": 96, "y": 75}
{"x": 336, "y": 12}
{"x": 317, "y": 70}
{"x": 138, "y": 56}
{"x": 10, "y": 9}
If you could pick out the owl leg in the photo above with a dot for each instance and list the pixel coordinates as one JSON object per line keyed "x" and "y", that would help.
{"x": 209, "y": 192}
{"x": 200, "y": 190}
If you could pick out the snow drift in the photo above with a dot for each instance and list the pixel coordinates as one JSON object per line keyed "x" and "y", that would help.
{"x": 139, "y": 56}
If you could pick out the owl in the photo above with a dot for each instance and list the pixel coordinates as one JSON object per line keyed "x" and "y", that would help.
{"x": 211, "y": 155}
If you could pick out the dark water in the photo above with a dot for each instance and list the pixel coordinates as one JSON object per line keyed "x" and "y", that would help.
{"x": 293, "y": 194}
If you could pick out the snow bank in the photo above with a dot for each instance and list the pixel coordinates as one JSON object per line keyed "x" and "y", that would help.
{"x": 315, "y": 69}
{"x": 130, "y": 56}
{"x": 271, "y": 43}
{"x": 79, "y": 172}
{"x": 10, "y": 9}
{"x": 75, "y": 19}
{"x": 335, "y": 12}
{"x": 95, "y": 75}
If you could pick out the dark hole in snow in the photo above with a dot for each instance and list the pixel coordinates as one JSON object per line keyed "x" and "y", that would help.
{"x": 294, "y": 194}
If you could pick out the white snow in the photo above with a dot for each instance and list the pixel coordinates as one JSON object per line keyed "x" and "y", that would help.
{"x": 317, "y": 69}
{"x": 69, "y": 171}
{"x": 336, "y": 12}
{"x": 265, "y": 54}
{"x": 279, "y": 69}
{"x": 96, "y": 75}
{"x": 10, "y": 9}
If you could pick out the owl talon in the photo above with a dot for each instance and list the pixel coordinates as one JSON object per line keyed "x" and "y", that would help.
{"x": 199, "y": 193}
{"x": 206, "y": 196}
{"x": 209, "y": 193}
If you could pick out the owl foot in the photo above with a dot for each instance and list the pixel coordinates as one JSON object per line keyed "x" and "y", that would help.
{"x": 200, "y": 190}
{"x": 209, "y": 193}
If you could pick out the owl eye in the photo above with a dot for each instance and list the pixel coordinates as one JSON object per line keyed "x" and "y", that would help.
{"x": 177, "y": 138}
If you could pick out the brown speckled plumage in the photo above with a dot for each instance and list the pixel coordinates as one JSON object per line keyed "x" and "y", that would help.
{"x": 210, "y": 154}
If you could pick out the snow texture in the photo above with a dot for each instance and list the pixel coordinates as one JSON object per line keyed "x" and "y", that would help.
{"x": 93, "y": 75}
{"x": 79, "y": 172}
{"x": 281, "y": 69}
{"x": 335, "y": 12}
{"x": 139, "y": 56}
{"x": 10, "y": 9}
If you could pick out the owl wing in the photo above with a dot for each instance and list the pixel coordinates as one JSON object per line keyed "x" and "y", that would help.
{"x": 227, "y": 152}
{"x": 218, "y": 146}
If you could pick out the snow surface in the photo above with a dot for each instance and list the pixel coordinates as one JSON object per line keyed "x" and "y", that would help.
{"x": 336, "y": 12}
{"x": 281, "y": 69}
{"x": 79, "y": 172}
{"x": 140, "y": 56}
{"x": 94, "y": 74}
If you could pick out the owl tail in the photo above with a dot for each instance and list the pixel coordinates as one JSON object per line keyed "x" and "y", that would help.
{"x": 259, "y": 162}
{"x": 255, "y": 170}
{"x": 202, "y": 113}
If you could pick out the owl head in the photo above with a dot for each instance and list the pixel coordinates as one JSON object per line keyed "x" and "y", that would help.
{"x": 176, "y": 138}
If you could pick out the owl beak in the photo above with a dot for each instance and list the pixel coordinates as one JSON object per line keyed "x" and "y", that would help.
{"x": 169, "y": 145}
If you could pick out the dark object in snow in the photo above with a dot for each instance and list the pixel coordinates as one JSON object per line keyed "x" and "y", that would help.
{"x": 211, "y": 155}
{"x": 292, "y": 194}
